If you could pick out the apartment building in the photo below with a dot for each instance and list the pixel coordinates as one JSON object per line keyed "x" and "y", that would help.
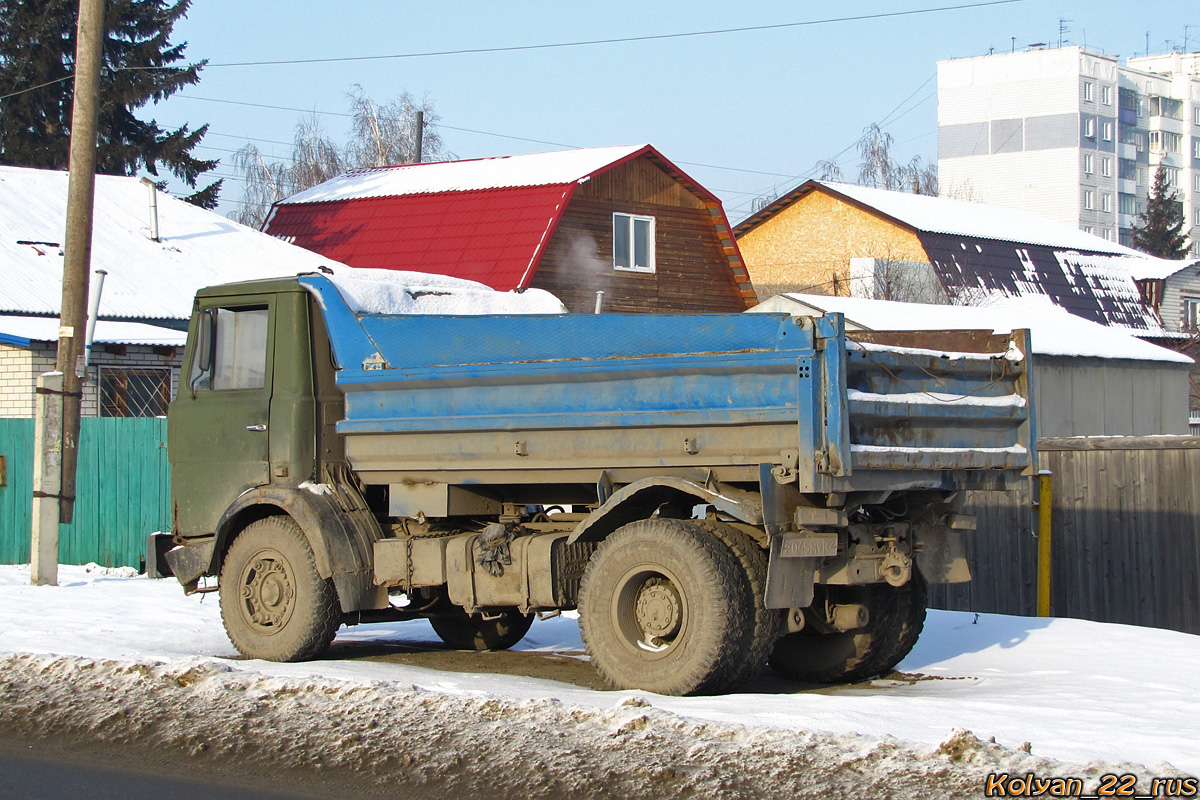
{"x": 1071, "y": 134}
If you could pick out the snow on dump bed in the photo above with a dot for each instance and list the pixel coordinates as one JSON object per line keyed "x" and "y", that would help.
{"x": 146, "y": 661}
{"x": 386, "y": 291}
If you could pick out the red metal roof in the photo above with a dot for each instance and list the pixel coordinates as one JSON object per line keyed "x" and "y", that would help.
{"x": 494, "y": 236}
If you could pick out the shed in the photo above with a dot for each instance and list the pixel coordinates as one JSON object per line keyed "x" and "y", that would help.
{"x": 622, "y": 220}
{"x": 834, "y": 238}
{"x": 1088, "y": 379}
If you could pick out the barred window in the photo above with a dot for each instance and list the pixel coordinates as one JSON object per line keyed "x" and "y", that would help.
{"x": 134, "y": 392}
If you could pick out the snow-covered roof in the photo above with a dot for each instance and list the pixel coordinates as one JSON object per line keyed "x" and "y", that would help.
{"x": 23, "y": 330}
{"x": 538, "y": 169}
{"x": 146, "y": 279}
{"x": 1151, "y": 268}
{"x": 962, "y": 218}
{"x": 1053, "y": 330}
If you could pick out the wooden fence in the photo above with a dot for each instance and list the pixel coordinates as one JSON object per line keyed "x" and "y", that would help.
{"x": 123, "y": 494}
{"x": 1125, "y": 534}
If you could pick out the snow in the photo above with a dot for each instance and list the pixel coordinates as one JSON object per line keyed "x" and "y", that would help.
{"x": 385, "y": 291}
{"x": 959, "y": 217}
{"x": 1077, "y": 691}
{"x": 537, "y": 169}
{"x": 22, "y": 330}
{"x": 1054, "y": 331}
{"x": 936, "y": 398}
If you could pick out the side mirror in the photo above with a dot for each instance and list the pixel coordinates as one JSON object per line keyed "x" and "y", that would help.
{"x": 202, "y": 361}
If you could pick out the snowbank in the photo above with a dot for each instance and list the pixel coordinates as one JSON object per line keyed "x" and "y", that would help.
{"x": 386, "y": 291}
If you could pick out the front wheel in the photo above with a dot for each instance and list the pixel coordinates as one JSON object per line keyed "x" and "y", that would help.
{"x": 274, "y": 603}
{"x": 664, "y": 607}
{"x": 492, "y": 631}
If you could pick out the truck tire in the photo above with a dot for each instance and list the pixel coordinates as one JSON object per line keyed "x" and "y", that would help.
{"x": 664, "y": 606}
{"x": 897, "y": 615}
{"x": 274, "y": 603}
{"x": 767, "y": 622}
{"x": 464, "y": 631}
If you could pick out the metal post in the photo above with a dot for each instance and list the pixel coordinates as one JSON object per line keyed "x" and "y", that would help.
{"x": 420, "y": 138}
{"x": 77, "y": 250}
{"x": 599, "y": 302}
{"x": 1045, "y": 503}
{"x": 47, "y": 471}
{"x": 93, "y": 315}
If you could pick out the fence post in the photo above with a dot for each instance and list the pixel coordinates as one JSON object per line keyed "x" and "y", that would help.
{"x": 47, "y": 480}
{"x": 1045, "y": 503}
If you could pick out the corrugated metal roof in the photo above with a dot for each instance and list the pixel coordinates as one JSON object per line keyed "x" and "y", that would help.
{"x": 538, "y": 169}
{"x": 146, "y": 279}
{"x": 22, "y": 330}
{"x": 494, "y": 236}
{"x": 1099, "y": 288}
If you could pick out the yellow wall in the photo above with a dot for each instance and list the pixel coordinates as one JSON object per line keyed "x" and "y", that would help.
{"x": 807, "y": 246}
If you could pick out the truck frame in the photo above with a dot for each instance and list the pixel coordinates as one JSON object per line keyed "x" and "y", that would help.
{"x": 712, "y": 492}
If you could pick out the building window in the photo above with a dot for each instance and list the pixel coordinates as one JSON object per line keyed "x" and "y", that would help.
{"x": 1127, "y": 169}
{"x": 1195, "y": 148}
{"x": 1106, "y": 131}
{"x": 1106, "y": 95}
{"x": 1172, "y": 176}
{"x": 1196, "y": 181}
{"x": 1089, "y": 128}
{"x": 1128, "y": 99}
{"x": 1088, "y": 163}
{"x": 1196, "y": 115}
{"x": 1166, "y": 107}
{"x": 1089, "y": 91}
{"x": 1127, "y": 203}
{"x": 1089, "y": 199}
{"x": 1106, "y": 167}
{"x": 231, "y": 350}
{"x": 633, "y": 243}
{"x": 134, "y": 392}
{"x": 1106, "y": 202}
{"x": 1191, "y": 313}
{"x": 1089, "y": 229}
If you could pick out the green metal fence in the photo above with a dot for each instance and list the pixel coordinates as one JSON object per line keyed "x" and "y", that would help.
{"x": 123, "y": 494}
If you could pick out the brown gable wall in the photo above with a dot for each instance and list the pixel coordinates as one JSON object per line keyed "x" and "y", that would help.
{"x": 692, "y": 272}
{"x": 807, "y": 246}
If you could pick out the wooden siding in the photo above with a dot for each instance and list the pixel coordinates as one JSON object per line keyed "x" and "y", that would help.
{"x": 124, "y": 491}
{"x": 807, "y": 246}
{"x": 1125, "y": 536}
{"x": 693, "y": 270}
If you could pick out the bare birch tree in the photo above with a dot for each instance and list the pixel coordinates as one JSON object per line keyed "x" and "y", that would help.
{"x": 380, "y": 136}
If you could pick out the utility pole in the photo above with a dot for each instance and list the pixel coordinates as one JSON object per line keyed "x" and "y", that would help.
{"x": 420, "y": 138}
{"x": 77, "y": 256}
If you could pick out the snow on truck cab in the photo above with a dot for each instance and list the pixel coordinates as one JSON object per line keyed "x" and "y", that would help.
{"x": 712, "y": 492}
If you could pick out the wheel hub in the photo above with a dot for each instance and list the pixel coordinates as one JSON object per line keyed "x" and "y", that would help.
{"x": 268, "y": 592}
{"x": 658, "y": 610}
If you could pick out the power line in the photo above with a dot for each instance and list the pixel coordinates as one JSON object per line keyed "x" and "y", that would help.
{"x": 620, "y": 40}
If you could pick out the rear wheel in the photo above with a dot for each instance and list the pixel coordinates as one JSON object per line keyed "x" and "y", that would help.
{"x": 896, "y": 617}
{"x": 493, "y": 631}
{"x": 664, "y": 607}
{"x": 274, "y": 603}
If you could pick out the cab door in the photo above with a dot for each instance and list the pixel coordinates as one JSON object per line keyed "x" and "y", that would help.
{"x": 218, "y": 426}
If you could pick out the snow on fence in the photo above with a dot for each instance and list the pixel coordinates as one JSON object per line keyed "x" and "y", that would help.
{"x": 1125, "y": 536}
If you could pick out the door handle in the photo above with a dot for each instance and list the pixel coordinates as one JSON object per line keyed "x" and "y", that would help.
{"x": 256, "y": 427}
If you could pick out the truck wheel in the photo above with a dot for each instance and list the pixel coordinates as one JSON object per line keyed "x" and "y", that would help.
{"x": 664, "y": 607}
{"x": 897, "y": 615}
{"x": 767, "y": 622}
{"x": 498, "y": 631}
{"x": 274, "y": 603}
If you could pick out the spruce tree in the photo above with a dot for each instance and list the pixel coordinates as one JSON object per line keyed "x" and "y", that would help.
{"x": 140, "y": 66}
{"x": 1159, "y": 228}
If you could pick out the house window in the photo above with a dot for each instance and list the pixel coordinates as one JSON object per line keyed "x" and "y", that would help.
{"x": 1106, "y": 167}
{"x": 134, "y": 392}
{"x": 1089, "y": 199}
{"x": 1088, "y": 163}
{"x": 1106, "y": 95}
{"x": 1106, "y": 131}
{"x": 1195, "y": 148}
{"x": 1196, "y": 115}
{"x": 1089, "y": 128}
{"x": 1106, "y": 202}
{"x": 633, "y": 243}
{"x": 1191, "y": 313}
{"x": 1197, "y": 182}
{"x": 1089, "y": 91}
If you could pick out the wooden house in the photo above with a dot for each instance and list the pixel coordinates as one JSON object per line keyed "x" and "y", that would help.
{"x": 620, "y": 220}
{"x": 838, "y": 239}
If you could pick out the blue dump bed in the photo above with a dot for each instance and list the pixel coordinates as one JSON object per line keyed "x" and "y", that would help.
{"x": 511, "y": 399}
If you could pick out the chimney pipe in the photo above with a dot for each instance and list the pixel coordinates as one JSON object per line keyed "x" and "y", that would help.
{"x": 153, "y": 208}
{"x": 599, "y": 301}
{"x": 93, "y": 312}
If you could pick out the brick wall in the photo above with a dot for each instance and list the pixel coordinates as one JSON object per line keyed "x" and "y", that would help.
{"x": 807, "y": 246}
{"x": 20, "y": 366}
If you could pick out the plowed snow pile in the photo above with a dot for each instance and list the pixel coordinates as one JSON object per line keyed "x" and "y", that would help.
{"x": 130, "y": 661}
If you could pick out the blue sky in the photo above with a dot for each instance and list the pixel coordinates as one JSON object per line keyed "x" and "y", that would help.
{"x": 745, "y": 113}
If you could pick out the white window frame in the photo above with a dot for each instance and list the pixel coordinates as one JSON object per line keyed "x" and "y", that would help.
{"x": 1106, "y": 95}
{"x": 1089, "y": 128}
{"x": 1089, "y": 91}
{"x": 1106, "y": 167}
{"x": 1089, "y": 163}
{"x": 629, "y": 220}
{"x": 1189, "y": 319}
{"x": 1106, "y": 131}
{"x": 1105, "y": 202}
{"x": 1089, "y": 199}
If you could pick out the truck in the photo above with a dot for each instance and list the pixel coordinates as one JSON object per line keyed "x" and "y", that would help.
{"x": 712, "y": 493}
